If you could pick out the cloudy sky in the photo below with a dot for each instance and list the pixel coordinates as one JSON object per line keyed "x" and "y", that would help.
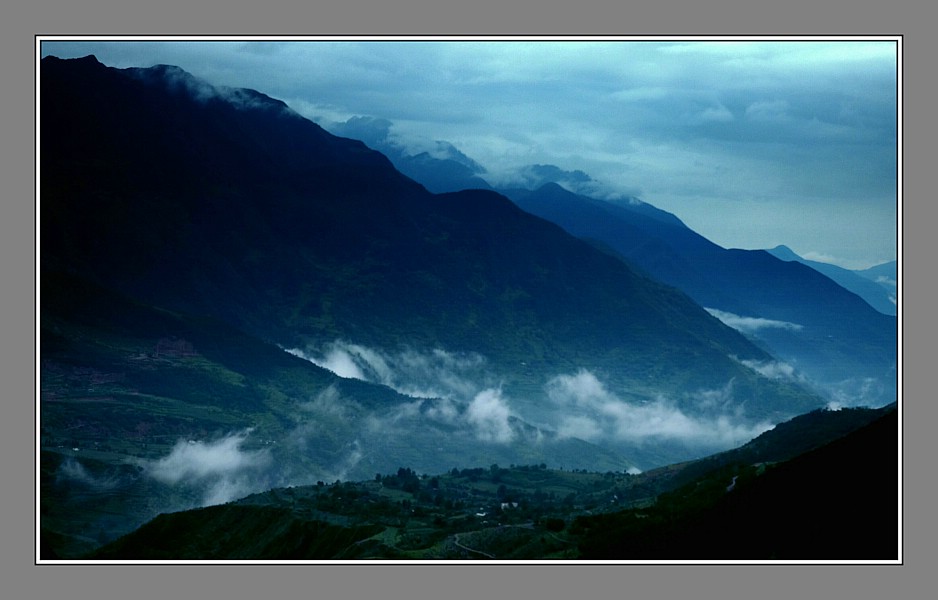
{"x": 751, "y": 143}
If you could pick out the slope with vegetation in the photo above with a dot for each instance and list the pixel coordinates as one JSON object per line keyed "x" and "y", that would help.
{"x": 835, "y": 502}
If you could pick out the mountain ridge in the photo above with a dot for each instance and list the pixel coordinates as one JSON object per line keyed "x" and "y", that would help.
{"x": 331, "y": 252}
{"x": 874, "y": 294}
{"x": 796, "y": 313}
{"x": 812, "y": 325}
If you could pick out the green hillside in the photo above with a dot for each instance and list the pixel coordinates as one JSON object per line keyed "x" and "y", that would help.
{"x": 732, "y": 511}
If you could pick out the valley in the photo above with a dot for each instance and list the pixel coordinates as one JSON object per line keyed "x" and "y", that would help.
{"x": 531, "y": 512}
{"x": 261, "y": 341}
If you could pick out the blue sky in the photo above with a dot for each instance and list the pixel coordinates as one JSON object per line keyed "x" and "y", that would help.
{"x": 751, "y": 143}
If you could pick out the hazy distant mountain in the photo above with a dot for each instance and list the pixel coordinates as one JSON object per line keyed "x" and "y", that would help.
{"x": 886, "y": 275}
{"x": 853, "y": 360}
{"x": 878, "y": 296}
{"x": 440, "y": 168}
{"x": 802, "y": 316}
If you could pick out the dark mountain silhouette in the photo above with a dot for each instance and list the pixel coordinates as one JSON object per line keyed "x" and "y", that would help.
{"x": 226, "y": 203}
{"x": 784, "y": 441}
{"x": 836, "y": 502}
{"x": 800, "y": 315}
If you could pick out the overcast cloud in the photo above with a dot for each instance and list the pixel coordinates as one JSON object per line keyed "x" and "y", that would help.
{"x": 752, "y": 144}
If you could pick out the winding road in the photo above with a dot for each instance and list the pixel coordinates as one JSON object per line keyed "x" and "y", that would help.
{"x": 467, "y": 548}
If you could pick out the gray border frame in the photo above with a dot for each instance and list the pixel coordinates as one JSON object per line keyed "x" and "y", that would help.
{"x": 897, "y": 40}
{"x": 912, "y": 19}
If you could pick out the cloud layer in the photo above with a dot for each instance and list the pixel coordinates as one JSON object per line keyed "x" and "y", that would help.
{"x": 221, "y": 468}
{"x": 454, "y": 407}
{"x": 579, "y": 405}
{"x": 709, "y": 419}
{"x": 456, "y": 390}
{"x": 434, "y": 373}
{"x": 751, "y": 324}
{"x": 773, "y": 369}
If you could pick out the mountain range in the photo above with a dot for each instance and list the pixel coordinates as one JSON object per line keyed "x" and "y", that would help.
{"x": 812, "y": 324}
{"x": 226, "y": 203}
{"x": 878, "y": 290}
{"x": 232, "y": 299}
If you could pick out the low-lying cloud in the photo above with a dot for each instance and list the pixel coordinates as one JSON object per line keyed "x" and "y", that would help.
{"x": 772, "y": 369}
{"x": 420, "y": 374}
{"x": 887, "y": 281}
{"x": 456, "y": 390}
{"x": 487, "y": 417}
{"x": 587, "y": 410}
{"x": 221, "y": 468}
{"x": 454, "y": 387}
{"x": 72, "y": 470}
{"x": 751, "y": 324}
{"x": 488, "y": 413}
{"x": 450, "y": 403}
{"x": 861, "y": 391}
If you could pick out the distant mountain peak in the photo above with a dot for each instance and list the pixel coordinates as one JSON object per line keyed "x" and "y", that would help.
{"x": 553, "y": 186}
{"x": 785, "y": 253}
{"x": 854, "y": 281}
{"x": 90, "y": 59}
